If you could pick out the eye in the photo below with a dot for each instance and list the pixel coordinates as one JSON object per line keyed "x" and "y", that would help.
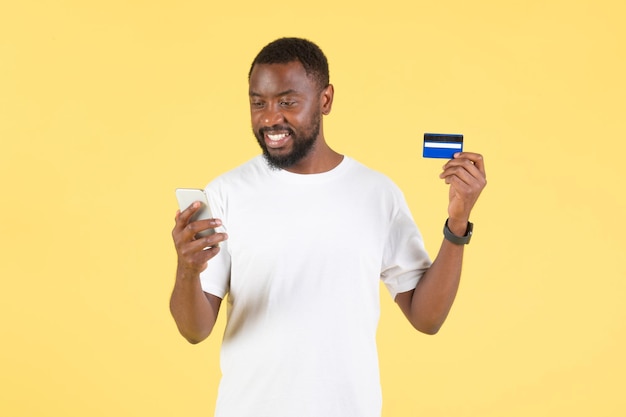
{"x": 257, "y": 104}
{"x": 287, "y": 103}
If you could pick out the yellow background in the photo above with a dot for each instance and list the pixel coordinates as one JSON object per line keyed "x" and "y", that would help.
{"x": 107, "y": 106}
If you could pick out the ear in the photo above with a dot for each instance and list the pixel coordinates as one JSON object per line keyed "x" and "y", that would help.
{"x": 326, "y": 99}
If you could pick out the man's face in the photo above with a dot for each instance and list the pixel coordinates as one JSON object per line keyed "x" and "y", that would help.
{"x": 286, "y": 113}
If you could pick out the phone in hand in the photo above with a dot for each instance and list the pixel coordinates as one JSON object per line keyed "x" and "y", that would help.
{"x": 186, "y": 197}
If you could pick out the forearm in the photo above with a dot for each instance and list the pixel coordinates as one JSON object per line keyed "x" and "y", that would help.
{"x": 435, "y": 293}
{"x": 194, "y": 311}
{"x": 428, "y": 305}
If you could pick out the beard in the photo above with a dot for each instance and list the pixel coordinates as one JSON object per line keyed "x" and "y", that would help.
{"x": 301, "y": 144}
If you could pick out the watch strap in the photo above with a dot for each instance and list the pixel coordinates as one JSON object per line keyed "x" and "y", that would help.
{"x": 458, "y": 240}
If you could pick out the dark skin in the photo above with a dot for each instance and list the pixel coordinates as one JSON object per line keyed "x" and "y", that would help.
{"x": 284, "y": 96}
{"x": 194, "y": 311}
{"x": 428, "y": 305}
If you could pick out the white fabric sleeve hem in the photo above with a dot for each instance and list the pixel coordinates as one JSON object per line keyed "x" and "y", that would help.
{"x": 215, "y": 290}
{"x": 403, "y": 283}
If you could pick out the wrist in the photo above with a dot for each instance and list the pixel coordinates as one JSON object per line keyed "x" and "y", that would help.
{"x": 456, "y": 237}
{"x": 457, "y": 226}
{"x": 186, "y": 274}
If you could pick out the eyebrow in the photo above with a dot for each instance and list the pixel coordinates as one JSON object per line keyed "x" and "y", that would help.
{"x": 283, "y": 93}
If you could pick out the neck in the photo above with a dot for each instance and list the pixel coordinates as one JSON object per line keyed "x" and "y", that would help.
{"x": 320, "y": 159}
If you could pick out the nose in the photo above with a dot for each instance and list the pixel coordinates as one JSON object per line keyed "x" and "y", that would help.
{"x": 272, "y": 116}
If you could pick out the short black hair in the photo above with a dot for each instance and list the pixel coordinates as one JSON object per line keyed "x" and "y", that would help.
{"x": 286, "y": 50}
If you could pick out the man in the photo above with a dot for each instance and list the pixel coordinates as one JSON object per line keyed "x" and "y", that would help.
{"x": 310, "y": 233}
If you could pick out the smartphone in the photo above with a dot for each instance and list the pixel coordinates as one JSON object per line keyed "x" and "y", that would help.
{"x": 186, "y": 197}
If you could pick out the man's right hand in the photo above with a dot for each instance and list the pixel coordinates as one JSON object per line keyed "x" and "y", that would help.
{"x": 194, "y": 253}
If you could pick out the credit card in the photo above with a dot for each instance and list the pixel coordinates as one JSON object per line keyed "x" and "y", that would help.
{"x": 441, "y": 145}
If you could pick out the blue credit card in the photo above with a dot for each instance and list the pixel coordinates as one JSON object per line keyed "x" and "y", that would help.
{"x": 441, "y": 145}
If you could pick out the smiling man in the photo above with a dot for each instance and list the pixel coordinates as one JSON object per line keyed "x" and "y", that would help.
{"x": 311, "y": 233}
{"x": 286, "y": 104}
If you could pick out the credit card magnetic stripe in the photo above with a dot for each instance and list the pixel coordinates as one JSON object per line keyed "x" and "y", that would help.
{"x": 438, "y": 145}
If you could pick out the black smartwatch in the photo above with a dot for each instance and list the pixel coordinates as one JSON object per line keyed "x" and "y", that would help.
{"x": 458, "y": 240}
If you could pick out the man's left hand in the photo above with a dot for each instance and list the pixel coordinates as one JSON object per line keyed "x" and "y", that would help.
{"x": 466, "y": 176}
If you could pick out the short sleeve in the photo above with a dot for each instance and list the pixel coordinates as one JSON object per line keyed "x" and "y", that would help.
{"x": 404, "y": 259}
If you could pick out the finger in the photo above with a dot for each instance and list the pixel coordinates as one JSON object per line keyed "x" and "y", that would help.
{"x": 203, "y": 243}
{"x": 212, "y": 240}
{"x": 468, "y": 175}
{"x": 464, "y": 169}
{"x": 466, "y": 186}
{"x": 461, "y": 185}
{"x": 198, "y": 261}
{"x": 182, "y": 218}
{"x": 476, "y": 158}
{"x": 198, "y": 251}
{"x": 186, "y": 214}
{"x": 193, "y": 228}
{"x": 210, "y": 252}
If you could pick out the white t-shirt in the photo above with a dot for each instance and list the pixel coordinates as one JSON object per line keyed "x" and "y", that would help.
{"x": 301, "y": 269}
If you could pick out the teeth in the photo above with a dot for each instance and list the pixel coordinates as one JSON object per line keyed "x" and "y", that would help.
{"x": 277, "y": 136}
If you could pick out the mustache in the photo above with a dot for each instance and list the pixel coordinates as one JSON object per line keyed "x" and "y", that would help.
{"x": 275, "y": 128}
